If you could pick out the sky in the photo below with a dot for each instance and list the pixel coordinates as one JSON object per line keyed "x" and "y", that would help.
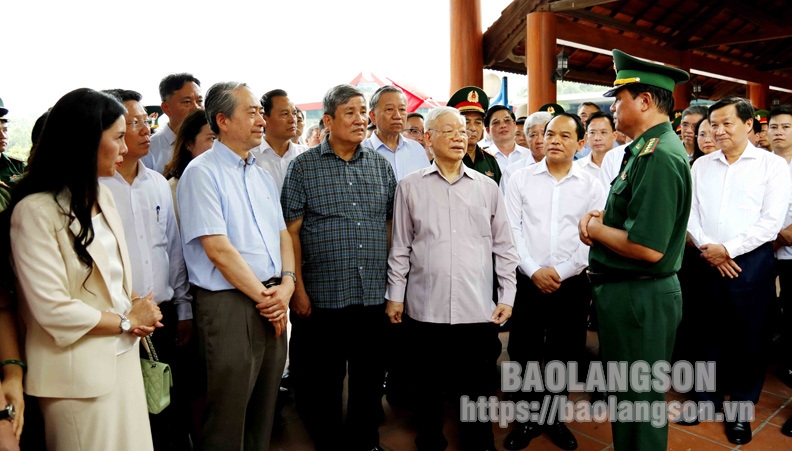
{"x": 303, "y": 46}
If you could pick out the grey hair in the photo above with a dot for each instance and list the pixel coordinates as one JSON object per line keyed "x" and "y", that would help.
{"x": 540, "y": 117}
{"x": 337, "y": 96}
{"x": 384, "y": 90}
{"x": 311, "y": 129}
{"x": 220, "y": 100}
{"x": 436, "y": 113}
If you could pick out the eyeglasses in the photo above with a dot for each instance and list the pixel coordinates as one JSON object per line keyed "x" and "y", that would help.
{"x": 497, "y": 122}
{"x": 137, "y": 124}
{"x": 451, "y": 134}
{"x": 414, "y": 131}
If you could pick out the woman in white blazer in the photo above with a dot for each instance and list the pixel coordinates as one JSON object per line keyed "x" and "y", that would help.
{"x": 83, "y": 323}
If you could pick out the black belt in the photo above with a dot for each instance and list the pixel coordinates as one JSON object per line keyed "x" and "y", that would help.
{"x": 272, "y": 282}
{"x": 599, "y": 278}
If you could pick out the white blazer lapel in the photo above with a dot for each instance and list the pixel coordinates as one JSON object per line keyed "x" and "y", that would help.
{"x": 106, "y": 203}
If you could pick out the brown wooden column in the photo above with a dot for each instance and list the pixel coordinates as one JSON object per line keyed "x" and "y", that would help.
{"x": 467, "y": 52}
{"x": 540, "y": 59}
{"x": 757, "y": 94}
{"x": 683, "y": 92}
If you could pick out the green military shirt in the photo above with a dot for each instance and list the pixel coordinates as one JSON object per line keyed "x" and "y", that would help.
{"x": 10, "y": 172}
{"x": 485, "y": 164}
{"x": 650, "y": 199}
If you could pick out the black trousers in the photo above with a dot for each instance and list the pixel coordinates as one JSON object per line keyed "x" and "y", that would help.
{"x": 466, "y": 365}
{"x": 325, "y": 347}
{"x": 693, "y": 294}
{"x": 784, "y": 268}
{"x": 548, "y": 327}
{"x": 170, "y": 428}
{"x": 733, "y": 327}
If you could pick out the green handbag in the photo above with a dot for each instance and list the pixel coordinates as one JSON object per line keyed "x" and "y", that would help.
{"x": 157, "y": 379}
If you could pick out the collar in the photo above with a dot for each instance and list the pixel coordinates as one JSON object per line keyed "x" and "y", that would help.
{"x": 378, "y": 142}
{"x": 463, "y": 170}
{"x": 229, "y": 156}
{"x": 574, "y": 170}
{"x": 751, "y": 152}
{"x": 168, "y": 134}
{"x": 266, "y": 149}
{"x": 325, "y": 148}
{"x": 142, "y": 174}
{"x": 654, "y": 132}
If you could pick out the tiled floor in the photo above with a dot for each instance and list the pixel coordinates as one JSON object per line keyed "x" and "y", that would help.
{"x": 396, "y": 434}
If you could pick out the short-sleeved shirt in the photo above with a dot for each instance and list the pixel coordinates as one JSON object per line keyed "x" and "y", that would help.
{"x": 485, "y": 164}
{"x": 222, "y": 194}
{"x": 345, "y": 206}
{"x": 650, "y": 199}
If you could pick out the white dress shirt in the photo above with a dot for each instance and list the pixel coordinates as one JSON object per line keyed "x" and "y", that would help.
{"x": 785, "y": 252}
{"x": 152, "y": 236}
{"x": 267, "y": 159}
{"x": 516, "y": 155}
{"x": 611, "y": 166}
{"x": 740, "y": 205}
{"x": 161, "y": 150}
{"x": 589, "y": 166}
{"x": 544, "y": 214}
{"x": 514, "y": 167}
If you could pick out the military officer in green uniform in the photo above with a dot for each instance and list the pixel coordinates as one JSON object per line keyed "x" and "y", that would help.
{"x": 638, "y": 240}
{"x": 472, "y": 103}
{"x": 10, "y": 169}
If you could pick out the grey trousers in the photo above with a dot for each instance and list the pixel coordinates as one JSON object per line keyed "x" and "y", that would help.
{"x": 244, "y": 365}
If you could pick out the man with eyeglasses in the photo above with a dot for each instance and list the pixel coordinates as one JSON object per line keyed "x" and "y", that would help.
{"x": 445, "y": 247}
{"x": 277, "y": 149}
{"x": 388, "y": 112}
{"x": 502, "y": 127}
{"x": 180, "y": 94}
{"x": 415, "y": 131}
{"x": 145, "y": 204}
{"x": 472, "y": 103}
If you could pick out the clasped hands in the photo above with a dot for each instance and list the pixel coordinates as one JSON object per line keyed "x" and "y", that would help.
{"x": 274, "y": 302}
{"x": 717, "y": 256}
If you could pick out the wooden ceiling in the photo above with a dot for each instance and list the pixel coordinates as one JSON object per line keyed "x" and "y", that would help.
{"x": 744, "y": 40}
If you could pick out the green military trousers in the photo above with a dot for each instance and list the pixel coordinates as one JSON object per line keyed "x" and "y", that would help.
{"x": 638, "y": 320}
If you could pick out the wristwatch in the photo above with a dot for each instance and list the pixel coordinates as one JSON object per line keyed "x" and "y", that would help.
{"x": 126, "y": 325}
{"x": 8, "y": 413}
{"x": 290, "y": 274}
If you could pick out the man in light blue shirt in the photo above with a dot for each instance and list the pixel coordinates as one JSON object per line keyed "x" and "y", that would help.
{"x": 388, "y": 111}
{"x": 236, "y": 247}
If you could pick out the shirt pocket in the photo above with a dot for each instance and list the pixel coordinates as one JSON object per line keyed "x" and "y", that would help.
{"x": 480, "y": 221}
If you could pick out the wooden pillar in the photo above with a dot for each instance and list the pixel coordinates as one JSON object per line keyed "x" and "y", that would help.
{"x": 683, "y": 92}
{"x": 757, "y": 94}
{"x": 467, "y": 49}
{"x": 540, "y": 59}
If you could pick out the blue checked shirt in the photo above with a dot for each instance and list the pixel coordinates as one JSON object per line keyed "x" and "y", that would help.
{"x": 345, "y": 206}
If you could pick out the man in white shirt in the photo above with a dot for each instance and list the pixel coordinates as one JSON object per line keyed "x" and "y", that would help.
{"x": 779, "y": 135}
{"x": 145, "y": 204}
{"x": 741, "y": 195}
{"x": 501, "y": 126}
{"x": 690, "y": 117}
{"x": 180, "y": 94}
{"x": 585, "y": 110}
{"x": 277, "y": 149}
{"x": 534, "y": 131}
{"x": 600, "y": 137}
{"x": 388, "y": 113}
{"x": 543, "y": 202}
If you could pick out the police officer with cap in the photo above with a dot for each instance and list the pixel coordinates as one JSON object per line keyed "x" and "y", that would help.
{"x": 638, "y": 240}
{"x": 472, "y": 103}
{"x": 10, "y": 169}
